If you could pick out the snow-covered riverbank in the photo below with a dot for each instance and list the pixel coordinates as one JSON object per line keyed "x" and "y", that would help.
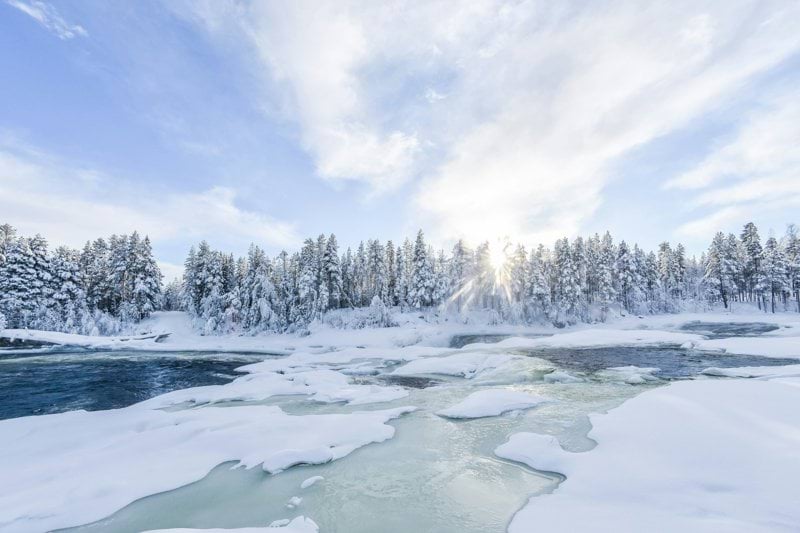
{"x": 416, "y": 332}
{"x": 709, "y": 453}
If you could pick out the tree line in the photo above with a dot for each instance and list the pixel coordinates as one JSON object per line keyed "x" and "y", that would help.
{"x": 578, "y": 280}
{"x": 115, "y": 282}
{"x": 96, "y": 291}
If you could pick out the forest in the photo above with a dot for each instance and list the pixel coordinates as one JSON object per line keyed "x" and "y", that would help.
{"x": 113, "y": 283}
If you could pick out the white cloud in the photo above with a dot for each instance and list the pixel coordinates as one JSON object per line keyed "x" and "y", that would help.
{"x": 755, "y": 172}
{"x": 541, "y": 98}
{"x": 39, "y": 194}
{"x": 47, "y": 15}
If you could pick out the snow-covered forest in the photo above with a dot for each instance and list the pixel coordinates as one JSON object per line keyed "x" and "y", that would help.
{"x": 114, "y": 283}
{"x": 580, "y": 280}
{"x": 102, "y": 289}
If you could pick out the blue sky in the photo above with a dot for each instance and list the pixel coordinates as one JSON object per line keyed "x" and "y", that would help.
{"x": 272, "y": 121}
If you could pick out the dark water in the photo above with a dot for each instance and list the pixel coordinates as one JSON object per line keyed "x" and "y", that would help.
{"x": 409, "y": 382}
{"x": 53, "y": 383}
{"x": 720, "y": 330}
{"x": 459, "y": 341}
{"x": 673, "y": 361}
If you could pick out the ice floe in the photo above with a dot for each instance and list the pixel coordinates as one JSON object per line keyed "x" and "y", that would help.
{"x": 466, "y": 365}
{"x": 632, "y": 375}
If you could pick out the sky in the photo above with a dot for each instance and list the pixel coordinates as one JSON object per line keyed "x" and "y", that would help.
{"x": 269, "y": 122}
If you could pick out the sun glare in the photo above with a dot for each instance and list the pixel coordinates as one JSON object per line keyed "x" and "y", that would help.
{"x": 497, "y": 257}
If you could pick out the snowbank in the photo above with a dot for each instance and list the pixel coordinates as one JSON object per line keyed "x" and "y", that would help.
{"x": 466, "y": 365}
{"x": 77, "y": 467}
{"x": 782, "y": 347}
{"x": 325, "y": 386}
{"x": 491, "y": 402}
{"x": 81, "y": 341}
{"x": 708, "y": 455}
{"x": 597, "y": 337}
{"x": 754, "y": 371}
{"x": 632, "y": 375}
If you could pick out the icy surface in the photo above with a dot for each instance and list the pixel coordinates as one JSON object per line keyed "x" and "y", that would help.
{"x": 696, "y": 455}
{"x": 310, "y": 481}
{"x": 300, "y": 524}
{"x": 491, "y": 402}
{"x": 708, "y": 455}
{"x": 73, "y": 468}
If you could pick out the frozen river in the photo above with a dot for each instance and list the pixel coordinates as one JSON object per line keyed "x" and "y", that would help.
{"x": 435, "y": 474}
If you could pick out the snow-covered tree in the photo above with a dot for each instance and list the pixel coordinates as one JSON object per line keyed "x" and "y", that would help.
{"x": 422, "y": 278}
{"x": 774, "y": 271}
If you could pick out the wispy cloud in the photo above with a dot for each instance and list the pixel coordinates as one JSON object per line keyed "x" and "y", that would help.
{"x": 47, "y": 15}
{"x": 70, "y": 204}
{"x": 541, "y": 98}
{"x": 756, "y": 171}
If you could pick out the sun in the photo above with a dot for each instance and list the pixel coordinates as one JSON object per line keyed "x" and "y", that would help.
{"x": 497, "y": 258}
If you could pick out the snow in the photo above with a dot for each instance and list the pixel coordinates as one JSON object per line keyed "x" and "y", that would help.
{"x": 294, "y": 501}
{"x": 695, "y": 455}
{"x": 491, "y": 402}
{"x": 77, "y": 467}
{"x": 596, "y": 337}
{"x": 707, "y": 455}
{"x": 310, "y": 481}
{"x": 300, "y": 524}
{"x": 632, "y": 375}
{"x": 754, "y": 371}
{"x": 783, "y": 347}
{"x": 325, "y": 386}
{"x": 466, "y": 365}
{"x": 82, "y": 341}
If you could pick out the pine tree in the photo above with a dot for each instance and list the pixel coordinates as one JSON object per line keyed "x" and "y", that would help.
{"x": 68, "y": 296}
{"x": 422, "y": 279}
{"x": 332, "y": 273}
{"x": 774, "y": 271}
{"x": 567, "y": 287}
{"x": 391, "y": 274}
{"x": 626, "y": 277}
{"x": 17, "y": 280}
{"x": 792, "y": 250}
{"x": 719, "y": 271}
{"x": 751, "y": 243}
{"x": 605, "y": 275}
{"x": 307, "y": 305}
